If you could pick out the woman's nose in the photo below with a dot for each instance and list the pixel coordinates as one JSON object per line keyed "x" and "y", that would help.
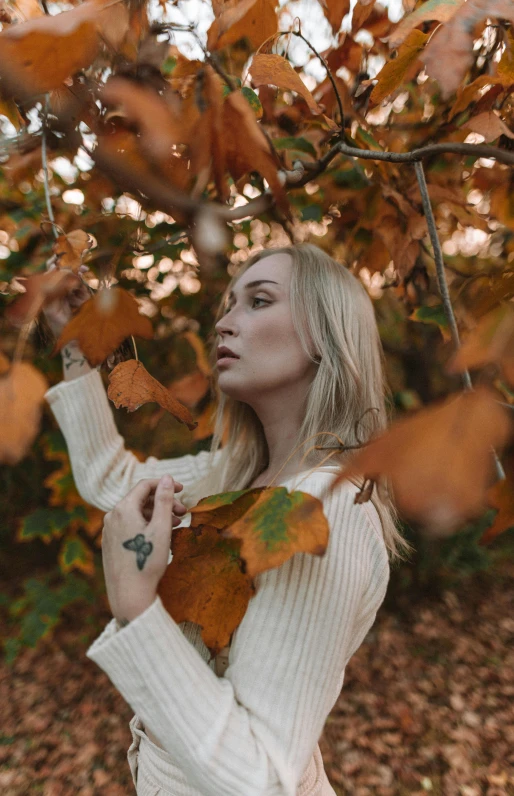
{"x": 224, "y": 325}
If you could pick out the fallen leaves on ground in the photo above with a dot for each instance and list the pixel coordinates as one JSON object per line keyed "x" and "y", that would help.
{"x": 426, "y": 705}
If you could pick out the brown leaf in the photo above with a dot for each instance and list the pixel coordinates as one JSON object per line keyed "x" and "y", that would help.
{"x": 450, "y": 52}
{"x": 439, "y": 462}
{"x": 254, "y": 19}
{"x": 70, "y": 249}
{"x": 471, "y": 92}
{"x": 500, "y": 496}
{"x": 131, "y": 386}
{"x": 247, "y": 148}
{"x": 190, "y": 389}
{"x": 38, "y": 55}
{"x": 204, "y": 584}
{"x": 489, "y": 125}
{"x": 40, "y": 289}
{"x": 505, "y": 67}
{"x": 361, "y": 11}
{"x": 491, "y": 341}
{"x": 334, "y": 11}
{"x": 22, "y": 390}
{"x": 275, "y": 70}
{"x": 433, "y": 10}
{"x": 393, "y": 72}
{"x": 103, "y": 322}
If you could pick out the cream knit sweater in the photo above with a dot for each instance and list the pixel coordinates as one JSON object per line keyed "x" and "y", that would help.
{"x": 254, "y": 730}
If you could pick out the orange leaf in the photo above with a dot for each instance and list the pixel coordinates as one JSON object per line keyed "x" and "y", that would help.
{"x": 38, "y": 55}
{"x": 70, "y": 249}
{"x": 334, "y": 11}
{"x": 505, "y": 66}
{"x": 204, "y": 584}
{"x": 361, "y": 11}
{"x": 393, "y": 72}
{"x": 500, "y": 496}
{"x": 22, "y": 390}
{"x": 254, "y": 19}
{"x": 190, "y": 389}
{"x": 247, "y": 148}
{"x": 131, "y": 385}
{"x": 491, "y": 341}
{"x": 103, "y": 322}
{"x": 433, "y": 10}
{"x": 489, "y": 125}
{"x": 40, "y": 289}
{"x": 274, "y": 69}
{"x": 439, "y": 461}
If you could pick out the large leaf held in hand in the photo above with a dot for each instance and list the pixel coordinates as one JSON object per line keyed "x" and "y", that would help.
{"x": 131, "y": 385}
{"x": 205, "y": 584}
{"x": 103, "y": 322}
{"x": 233, "y": 537}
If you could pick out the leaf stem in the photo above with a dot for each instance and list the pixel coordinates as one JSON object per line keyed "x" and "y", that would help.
{"x": 45, "y": 166}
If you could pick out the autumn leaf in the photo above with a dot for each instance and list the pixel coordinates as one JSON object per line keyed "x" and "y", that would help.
{"x": 22, "y": 390}
{"x": 40, "y": 289}
{"x": 273, "y": 525}
{"x": 471, "y": 92}
{"x": 76, "y": 554}
{"x": 500, "y": 496}
{"x": 489, "y": 125}
{"x": 204, "y": 584}
{"x": 361, "y": 11}
{"x": 439, "y": 462}
{"x": 274, "y": 69}
{"x": 450, "y": 52}
{"x": 233, "y": 537}
{"x": 491, "y": 341}
{"x": 393, "y": 72}
{"x": 247, "y": 148}
{"x": 434, "y": 314}
{"x": 131, "y": 386}
{"x": 70, "y": 249}
{"x": 432, "y": 10}
{"x": 255, "y": 20}
{"x": 334, "y": 11}
{"x": 505, "y": 67}
{"x": 38, "y": 55}
{"x": 103, "y": 322}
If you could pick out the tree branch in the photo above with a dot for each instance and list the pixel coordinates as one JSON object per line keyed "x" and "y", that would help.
{"x": 443, "y": 285}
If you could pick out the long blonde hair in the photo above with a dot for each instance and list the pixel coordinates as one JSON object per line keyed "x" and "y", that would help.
{"x": 334, "y": 316}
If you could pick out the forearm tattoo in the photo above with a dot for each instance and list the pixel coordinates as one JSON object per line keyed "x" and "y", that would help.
{"x": 69, "y": 360}
{"x": 141, "y": 547}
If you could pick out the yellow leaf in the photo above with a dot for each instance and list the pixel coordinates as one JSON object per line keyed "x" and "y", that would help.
{"x": 393, "y": 72}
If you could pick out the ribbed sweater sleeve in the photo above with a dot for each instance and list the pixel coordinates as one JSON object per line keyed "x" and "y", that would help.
{"x": 254, "y": 730}
{"x": 103, "y": 470}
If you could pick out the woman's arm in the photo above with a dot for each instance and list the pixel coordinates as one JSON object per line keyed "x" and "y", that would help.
{"x": 255, "y": 729}
{"x": 104, "y": 471}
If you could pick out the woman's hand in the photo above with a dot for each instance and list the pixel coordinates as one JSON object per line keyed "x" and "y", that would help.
{"x": 136, "y": 545}
{"x": 60, "y": 311}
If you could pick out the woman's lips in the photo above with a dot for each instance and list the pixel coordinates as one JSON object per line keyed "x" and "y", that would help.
{"x": 225, "y": 360}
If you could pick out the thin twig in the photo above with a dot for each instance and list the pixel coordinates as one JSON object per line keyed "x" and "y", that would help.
{"x": 443, "y": 285}
{"x": 45, "y": 168}
{"x": 329, "y": 75}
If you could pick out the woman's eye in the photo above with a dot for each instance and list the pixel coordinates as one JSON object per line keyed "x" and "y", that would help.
{"x": 259, "y": 299}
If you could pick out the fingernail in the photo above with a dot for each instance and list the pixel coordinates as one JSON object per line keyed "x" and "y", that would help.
{"x": 167, "y": 481}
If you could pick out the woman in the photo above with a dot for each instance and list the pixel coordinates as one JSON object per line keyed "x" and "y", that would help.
{"x": 300, "y": 364}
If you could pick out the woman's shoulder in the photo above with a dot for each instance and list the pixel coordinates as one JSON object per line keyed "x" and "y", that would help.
{"x": 339, "y": 503}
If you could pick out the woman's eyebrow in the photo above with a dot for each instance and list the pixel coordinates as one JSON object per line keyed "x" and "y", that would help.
{"x": 254, "y": 284}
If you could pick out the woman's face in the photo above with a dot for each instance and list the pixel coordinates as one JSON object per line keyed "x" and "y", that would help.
{"x": 258, "y": 328}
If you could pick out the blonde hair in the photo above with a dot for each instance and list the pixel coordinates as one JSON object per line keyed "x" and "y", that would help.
{"x": 334, "y": 316}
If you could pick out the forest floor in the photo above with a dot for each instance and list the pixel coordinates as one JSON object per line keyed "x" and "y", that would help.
{"x": 427, "y": 707}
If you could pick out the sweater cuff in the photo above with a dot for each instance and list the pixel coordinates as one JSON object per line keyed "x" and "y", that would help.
{"x": 64, "y": 391}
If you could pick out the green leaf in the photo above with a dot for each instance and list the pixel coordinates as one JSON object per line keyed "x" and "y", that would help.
{"x": 253, "y": 100}
{"x": 168, "y": 65}
{"x": 47, "y": 524}
{"x": 433, "y": 315}
{"x": 75, "y": 554}
{"x": 311, "y": 213}
{"x": 295, "y": 145}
